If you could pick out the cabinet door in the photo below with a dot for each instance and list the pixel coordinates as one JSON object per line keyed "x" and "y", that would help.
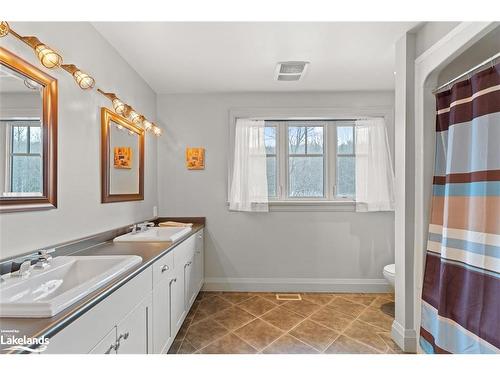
{"x": 178, "y": 307}
{"x": 198, "y": 267}
{"x": 134, "y": 332}
{"x": 162, "y": 312}
{"x": 107, "y": 345}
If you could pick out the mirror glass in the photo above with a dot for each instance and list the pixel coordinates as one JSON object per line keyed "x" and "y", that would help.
{"x": 124, "y": 146}
{"x": 21, "y": 135}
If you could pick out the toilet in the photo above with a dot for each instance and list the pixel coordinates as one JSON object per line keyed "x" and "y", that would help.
{"x": 389, "y": 273}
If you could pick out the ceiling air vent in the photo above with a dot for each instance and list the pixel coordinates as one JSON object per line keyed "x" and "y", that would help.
{"x": 290, "y": 70}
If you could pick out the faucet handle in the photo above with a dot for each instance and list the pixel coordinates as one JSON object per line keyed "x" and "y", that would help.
{"x": 45, "y": 254}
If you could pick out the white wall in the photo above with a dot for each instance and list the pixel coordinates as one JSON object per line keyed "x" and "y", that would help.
{"x": 80, "y": 211}
{"x": 275, "y": 245}
{"x": 486, "y": 47}
{"x": 429, "y": 33}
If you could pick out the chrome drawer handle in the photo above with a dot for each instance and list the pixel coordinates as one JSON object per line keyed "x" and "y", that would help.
{"x": 198, "y": 251}
{"x": 172, "y": 281}
{"x": 164, "y": 268}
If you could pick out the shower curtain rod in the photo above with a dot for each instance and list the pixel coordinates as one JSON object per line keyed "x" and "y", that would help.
{"x": 470, "y": 71}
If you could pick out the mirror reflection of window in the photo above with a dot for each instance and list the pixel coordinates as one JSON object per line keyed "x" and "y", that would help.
{"x": 21, "y": 135}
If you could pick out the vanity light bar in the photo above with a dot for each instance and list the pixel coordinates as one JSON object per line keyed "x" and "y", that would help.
{"x": 130, "y": 113}
{"x": 48, "y": 57}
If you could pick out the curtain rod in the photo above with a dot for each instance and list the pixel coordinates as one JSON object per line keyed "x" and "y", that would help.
{"x": 470, "y": 71}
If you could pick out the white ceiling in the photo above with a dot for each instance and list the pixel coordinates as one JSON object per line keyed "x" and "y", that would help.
{"x": 197, "y": 57}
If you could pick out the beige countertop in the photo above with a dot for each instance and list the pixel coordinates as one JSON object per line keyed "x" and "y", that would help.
{"x": 148, "y": 251}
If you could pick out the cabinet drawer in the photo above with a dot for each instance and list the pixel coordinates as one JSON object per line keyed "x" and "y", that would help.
{"x": 163, "y": 267}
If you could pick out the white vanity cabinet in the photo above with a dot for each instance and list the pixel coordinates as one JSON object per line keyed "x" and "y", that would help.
{"x": 128, "y": 309}
{"x": 143, "y": 315}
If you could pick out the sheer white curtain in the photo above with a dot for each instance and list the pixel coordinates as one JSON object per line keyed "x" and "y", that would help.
{"x": 248, "y": 190}
{"x": 374, "y": 174}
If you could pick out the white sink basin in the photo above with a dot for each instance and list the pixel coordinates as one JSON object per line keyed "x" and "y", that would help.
{"x": 45, "y": 292}
{"x": 155, "y": 234}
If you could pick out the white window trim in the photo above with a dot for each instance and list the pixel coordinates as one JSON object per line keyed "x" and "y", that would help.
{"x": 305, "y": 113}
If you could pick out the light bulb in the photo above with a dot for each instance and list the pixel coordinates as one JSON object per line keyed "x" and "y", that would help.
{"x": 119, "y": 106}
{"x": 83, "y": 80}
{"x": 133, "y": 116}
{"x": 147, "y": 125}
{"x": 156, "y": 130}
{"x": 48, "y": 57}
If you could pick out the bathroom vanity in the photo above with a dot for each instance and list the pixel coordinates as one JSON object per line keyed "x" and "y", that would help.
{"x": 140, "y": 312}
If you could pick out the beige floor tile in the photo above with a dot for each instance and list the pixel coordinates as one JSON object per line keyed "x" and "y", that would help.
{"x": 204, "y": 332}
{"x": 272, "y": 298}
{"x": 186, "y": 348}
{"x": 198, "y": 316}
{"x": 212, "y": 305}
{"x": 393, "y": 348}
{"x": 236, "y": 297}
{"x": 363, "y": 299}
{"x": 318, "y": 298}
{"x": 379, "y": 301}
{"x": 377, "y": 318}
{"x": 257, "y": 305}
{"x": 345, "y": 345}
{"x": 314, "y": 334}
{"x": 289, "y": 345}
{"x": 332, "y": 319}
{"x": 282, "y": 318}
{"x": 229, "y": 344}
{"x": 176, "y": 344}
{"x": 233, "y": 318}
{"x": 340, "y": 304}
{"x": 258, "y": 333}
{"x": 367, "y": 334}
{"x": 304, "y": 308}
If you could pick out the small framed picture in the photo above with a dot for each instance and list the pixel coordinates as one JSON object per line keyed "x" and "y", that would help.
{"x": 123, "y": 157}
{"x": 195, "y": 158}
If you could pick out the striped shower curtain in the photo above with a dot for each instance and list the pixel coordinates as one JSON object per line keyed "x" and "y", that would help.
{"x": 461, "y": 289}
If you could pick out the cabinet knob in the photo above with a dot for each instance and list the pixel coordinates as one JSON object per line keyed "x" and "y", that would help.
{"x": 164, "y": 268}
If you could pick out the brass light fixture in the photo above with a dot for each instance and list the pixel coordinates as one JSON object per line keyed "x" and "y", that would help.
{"x": 130, "y": 113}
{"x": 156, "y": 130}
{"x": 118, "y": 105}
{"x": 4, "y": 28}
{"x": 82, "y": 79}
{"x": 47, "y": 56}
{"x": 147, "y": 125}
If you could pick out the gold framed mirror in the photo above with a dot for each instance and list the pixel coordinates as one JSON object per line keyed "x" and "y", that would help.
{"x": 122, "y": 159}
{"x": 28, "y": 136}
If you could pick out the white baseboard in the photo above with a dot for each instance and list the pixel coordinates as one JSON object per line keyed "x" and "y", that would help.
{"x": 405, "y": 338}
{"x": 237, "y": 284}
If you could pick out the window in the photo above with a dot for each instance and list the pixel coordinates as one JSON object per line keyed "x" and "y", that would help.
{"x": 24, "y": 152}
{"x": 310, "y": 160}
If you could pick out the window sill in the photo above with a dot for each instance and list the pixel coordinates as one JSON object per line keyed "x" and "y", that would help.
{"x": 300, "y": 206}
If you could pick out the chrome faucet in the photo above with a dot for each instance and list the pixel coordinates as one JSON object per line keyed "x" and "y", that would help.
{"x": 142, "y": 227}
{"x": 44, "y": 258}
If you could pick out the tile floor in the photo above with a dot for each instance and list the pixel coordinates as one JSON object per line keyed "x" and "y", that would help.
{"x": 248, "y": 323}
